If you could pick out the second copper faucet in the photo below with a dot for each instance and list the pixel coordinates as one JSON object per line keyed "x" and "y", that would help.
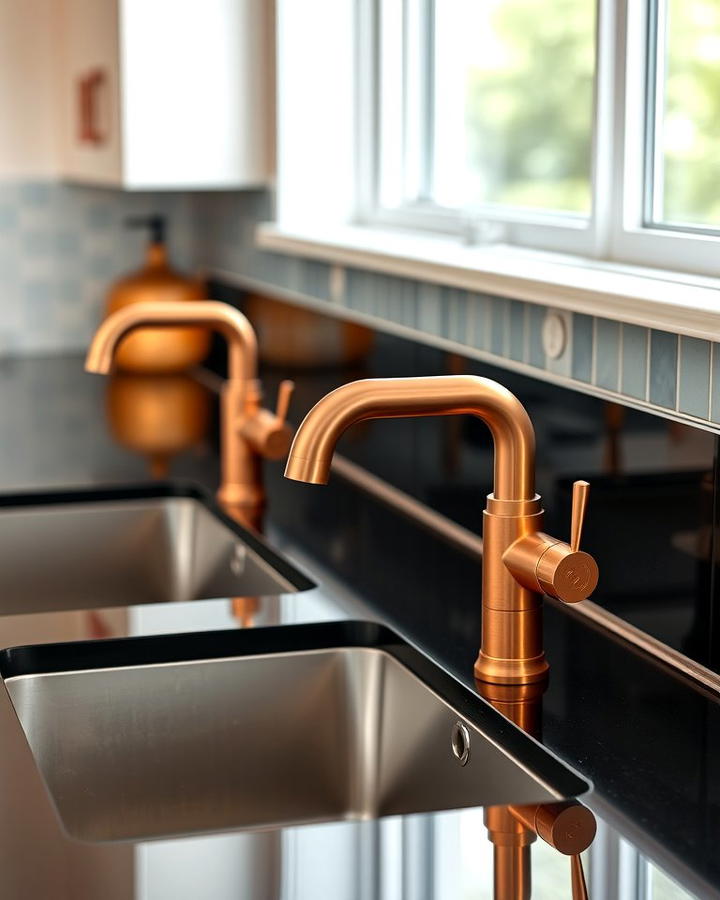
{"x": 249, "y": 432}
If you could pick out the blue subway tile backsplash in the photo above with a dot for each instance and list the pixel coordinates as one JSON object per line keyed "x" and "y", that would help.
{"x": 480, "y": 337}
{"x": 634, "y": 361}
{"x": 694, "y": 380}
{"x": 498, "y": 325}
{"x": 607, "y": 354}
{"x": 517, "y": 330}
{"x": 60, "y": 248}
{"x": 582, "y": 348}
{"x": 663, "y": 368}
{"x": 536, "y": 351}
{"x": 715, "y": 383}
{"x": 61, "y": 245}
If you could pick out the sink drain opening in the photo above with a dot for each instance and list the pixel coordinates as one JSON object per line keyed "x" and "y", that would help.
{"x": 460, "y": 743}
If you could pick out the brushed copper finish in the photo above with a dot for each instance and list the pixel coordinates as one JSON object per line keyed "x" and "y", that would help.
{"x": 520, "y": 562}
{"x": 443, "y": 395}
{"x": 512, "y": 872}
{"x": 248, "y": 432}
{"x": 581, "y": 490}
{"x": 577, "y": 879}
{"x": 568, "y": 827}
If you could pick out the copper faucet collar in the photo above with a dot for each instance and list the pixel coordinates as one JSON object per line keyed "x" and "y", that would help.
{"x": 528, "y": 507}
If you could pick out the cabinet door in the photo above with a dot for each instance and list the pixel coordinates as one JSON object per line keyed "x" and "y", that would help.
{"x": 91, "y": 141}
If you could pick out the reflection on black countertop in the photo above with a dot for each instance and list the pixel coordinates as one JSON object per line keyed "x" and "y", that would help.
{"x": 652, "y": 497}
{"x": 647, "y": 739}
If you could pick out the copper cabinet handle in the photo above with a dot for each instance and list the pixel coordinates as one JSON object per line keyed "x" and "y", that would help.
{"x": 89, "y": 87}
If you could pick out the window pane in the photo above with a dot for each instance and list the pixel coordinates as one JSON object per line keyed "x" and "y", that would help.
{"x": 687, "y": 153}
{"x": 513, "y": 103}
{"x": 663, "y": 888}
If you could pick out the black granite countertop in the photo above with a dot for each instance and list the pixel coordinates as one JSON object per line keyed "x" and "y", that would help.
{"x": 647, "y": 738}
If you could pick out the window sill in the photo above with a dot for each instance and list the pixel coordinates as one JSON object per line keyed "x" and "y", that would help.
{"x": 669, "y": 301}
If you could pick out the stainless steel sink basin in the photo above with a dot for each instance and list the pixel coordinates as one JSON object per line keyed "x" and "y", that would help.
{"x": 142, "y": 738}
{"x": 120, "y": 547}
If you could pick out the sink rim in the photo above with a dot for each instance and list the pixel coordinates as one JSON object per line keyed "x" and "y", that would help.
{"x": 155, "y": 650}
{"x": 160, "y": 490}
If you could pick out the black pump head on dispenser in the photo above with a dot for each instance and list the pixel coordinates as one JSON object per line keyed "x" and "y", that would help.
{"x": 155, "y": 223}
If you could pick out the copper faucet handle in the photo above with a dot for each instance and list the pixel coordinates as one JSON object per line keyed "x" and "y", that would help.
{"x": 577, "y": 878}
{"x": 580, "y": 492}
{"x": 268, "y": 432}
{"x": 568, "y": 826}
{"x": 565, "y": 571}
{"x": 285, "y": 392}
{"x": 543, "y": 564}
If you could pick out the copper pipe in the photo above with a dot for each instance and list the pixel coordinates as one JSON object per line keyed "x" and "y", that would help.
{"x": 248, "y": 432}
{"x": 512, "y": 872}
{"x": 444, "y": 395}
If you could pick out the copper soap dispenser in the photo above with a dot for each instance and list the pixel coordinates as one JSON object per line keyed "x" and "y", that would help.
{"x": 157, "y": 350}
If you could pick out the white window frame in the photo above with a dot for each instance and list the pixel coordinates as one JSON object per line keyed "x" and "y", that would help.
{"x": 615, "y": 229}
{"x": 534, "y": 228}
{"x": 653, "y": 278}
{"x": 688, "y": 249}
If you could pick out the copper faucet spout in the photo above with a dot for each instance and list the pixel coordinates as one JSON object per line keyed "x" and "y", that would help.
{"x": 444, "y": 395}
{"x": 230, "y": 322}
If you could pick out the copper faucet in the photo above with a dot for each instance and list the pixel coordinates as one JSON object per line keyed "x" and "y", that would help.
{"x": 568, "y": 827}
{"x": 248, "y": 432}
{"x": 520, "y": 561}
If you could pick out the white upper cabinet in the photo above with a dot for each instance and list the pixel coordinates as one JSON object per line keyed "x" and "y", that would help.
{"x": 166, "y": 94}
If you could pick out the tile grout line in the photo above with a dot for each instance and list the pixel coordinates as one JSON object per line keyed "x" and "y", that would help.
{"x": 506, "y": 329}
{"x": 593, "y": 353}
{"x": 677, "y": 373}
{"x": 710, "y": 378}
{"x": 470, "y": 313}
{"x": 488, "y": 324}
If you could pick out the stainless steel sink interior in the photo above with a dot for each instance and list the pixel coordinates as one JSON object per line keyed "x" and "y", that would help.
{"x": 142, "y": 738}
{"x": 94, "y": 549}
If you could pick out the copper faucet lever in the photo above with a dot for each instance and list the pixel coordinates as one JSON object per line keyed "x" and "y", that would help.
{"x": 285, "y": 392}
{"x": 580, "y": 492}
{"x": 577, "y": 878}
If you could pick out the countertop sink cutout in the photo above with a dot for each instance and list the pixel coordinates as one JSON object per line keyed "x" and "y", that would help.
{"x": 92, "y": 549}
{"x": 140, "y": 738}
